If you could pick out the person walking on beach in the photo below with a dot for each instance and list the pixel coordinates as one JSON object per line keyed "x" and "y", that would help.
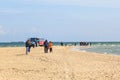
{"x": 50, "y": 46}
{"x": 28, "y": 46}
{"x": 46, "y": 46}
{"x": 75, "y": 44}
{"x": 61, "y": 43}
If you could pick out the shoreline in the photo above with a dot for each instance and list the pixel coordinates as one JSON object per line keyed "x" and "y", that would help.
{"x": 83, "y": 49}
{"x": 62, "y": 64}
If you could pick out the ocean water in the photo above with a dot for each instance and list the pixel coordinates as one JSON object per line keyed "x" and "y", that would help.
{"x": 22, "y": 44}
{"x": 102, "y": 47}
{"x": 12, "y": 44}
{"x": 98, "y": 47}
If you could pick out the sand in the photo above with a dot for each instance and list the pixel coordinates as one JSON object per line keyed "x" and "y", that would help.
{"x": 62, "y": 64}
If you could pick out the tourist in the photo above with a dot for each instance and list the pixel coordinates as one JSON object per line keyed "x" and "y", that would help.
{"x": 28, "y": 46}
{"x": 50, "y": 46}
{"x": 46, "y": 46}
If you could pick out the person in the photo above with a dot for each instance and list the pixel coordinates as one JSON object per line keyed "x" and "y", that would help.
{"x": 75, "y": 44}
{"x": 46, "y": 46}
{"x": 61, "y": 43}
{"x": 50, "y": 46}
{"x": 28, "y": 46}
{"x": 90, "y": 43}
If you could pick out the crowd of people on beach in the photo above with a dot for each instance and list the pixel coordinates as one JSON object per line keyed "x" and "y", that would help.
{"x": 76, "y": 43}
{"x": 85, "y": 43}
{"x": 47, "y": 46}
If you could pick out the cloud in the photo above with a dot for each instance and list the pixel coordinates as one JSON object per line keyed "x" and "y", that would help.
{"x": 2, "y": 31}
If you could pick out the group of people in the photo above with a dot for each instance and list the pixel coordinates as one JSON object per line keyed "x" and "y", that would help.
{"x": 85, "y": 43}
{"x": 47, "y": 46}
{"x": 76, "y": 43}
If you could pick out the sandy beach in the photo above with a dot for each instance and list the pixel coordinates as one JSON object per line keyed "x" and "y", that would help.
{"x": 62, "y": 64}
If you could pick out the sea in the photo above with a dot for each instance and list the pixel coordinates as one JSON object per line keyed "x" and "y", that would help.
{"x": 102, "y": 47}
{"x": 97, "y": 47}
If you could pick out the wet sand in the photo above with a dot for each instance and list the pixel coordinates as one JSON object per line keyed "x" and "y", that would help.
{"x": 62, "y": 64}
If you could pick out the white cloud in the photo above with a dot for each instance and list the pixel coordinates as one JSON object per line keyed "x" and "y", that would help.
{"x": 2, "y": 30}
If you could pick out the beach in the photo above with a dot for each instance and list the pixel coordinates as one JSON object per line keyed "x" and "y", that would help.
{"x": 63, "y": 64}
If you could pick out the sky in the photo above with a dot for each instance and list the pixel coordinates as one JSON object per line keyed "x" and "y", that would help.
{"x": 60, "y": 20}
